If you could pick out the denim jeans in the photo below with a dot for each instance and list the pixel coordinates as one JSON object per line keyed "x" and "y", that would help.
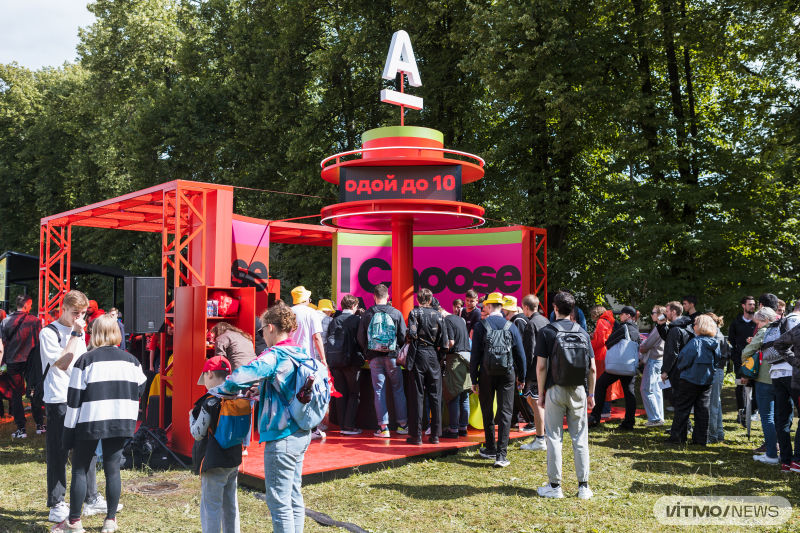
{"x": 715, "y": 431}
{"x": 766, "y": 408}
{"x": 219, "y": 506}
{"x": 381, "y": 368}
{"x": 458, "y": 411}
{"x": 652, "y": 396}
{"x": 283, "y": 476}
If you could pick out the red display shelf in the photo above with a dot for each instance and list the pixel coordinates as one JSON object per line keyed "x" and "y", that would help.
{"x": 191, "y": 324}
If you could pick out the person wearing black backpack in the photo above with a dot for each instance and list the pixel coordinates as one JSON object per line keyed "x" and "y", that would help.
{"x": 626, "y": 325}
{"x": 497, "y": 357}
{"x": 427, "y": 336}
{"x": 565, "y": 369}
{"x": 345, "y": 360}
{"x": 20, "y": 335}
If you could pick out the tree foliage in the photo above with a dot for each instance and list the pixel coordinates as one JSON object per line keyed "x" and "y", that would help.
{"x": 656, "y": 140}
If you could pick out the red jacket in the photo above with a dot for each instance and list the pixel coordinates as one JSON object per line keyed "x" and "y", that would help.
{"x": 601, "y": 332}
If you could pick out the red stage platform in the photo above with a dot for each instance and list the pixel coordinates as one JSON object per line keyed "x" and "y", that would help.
{"x": 338, "y": 456}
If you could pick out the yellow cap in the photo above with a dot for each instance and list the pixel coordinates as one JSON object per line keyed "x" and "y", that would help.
{"x": 300, "y": 294}
{"x": 312, "y": 306}
{"x": 494, "y": 298}
{"x": 509, "y": 303}
{"x": 325, "y": 305}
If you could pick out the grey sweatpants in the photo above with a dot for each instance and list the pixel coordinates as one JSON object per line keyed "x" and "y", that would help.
{"x": 570, "y": 402}
{"x": 219, "y": 507}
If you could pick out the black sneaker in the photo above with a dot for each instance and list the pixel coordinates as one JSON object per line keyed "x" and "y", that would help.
{"x": 487, "y": 454}
{"x": 414, "y": 441}
{"x": 591, "y": 421}
{"x": 40, "y": 429}
{"x": 462, "y": 432}
{"x": 449, "y": 435}
{"x": 19, "y": 434}
{"x": 433, "y": 440}
{"x": 529, "y": 428}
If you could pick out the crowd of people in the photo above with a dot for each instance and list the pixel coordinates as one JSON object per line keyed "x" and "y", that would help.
{"x": 530, "y": 367}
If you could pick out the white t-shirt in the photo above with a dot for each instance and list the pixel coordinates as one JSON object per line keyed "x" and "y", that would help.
{"x": 309, "y": 322}
{"x": 781, "y": 370}
{"x": 56, "y": 383}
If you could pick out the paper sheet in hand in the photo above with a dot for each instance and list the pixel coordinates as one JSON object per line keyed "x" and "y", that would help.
{"x": 664, "y": 384}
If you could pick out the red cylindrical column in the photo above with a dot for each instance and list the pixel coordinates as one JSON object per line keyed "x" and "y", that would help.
{"x": 402, "y": 288}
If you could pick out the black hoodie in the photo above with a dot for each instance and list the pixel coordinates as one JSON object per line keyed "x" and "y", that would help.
{"x": 676, "y": 335}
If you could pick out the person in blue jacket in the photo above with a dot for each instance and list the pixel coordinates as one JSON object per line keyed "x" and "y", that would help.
{"x": 696, "y": 364}
{"x": 275, "y": 372}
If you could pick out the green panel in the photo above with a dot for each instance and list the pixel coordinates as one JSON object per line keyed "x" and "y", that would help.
{"x": 456, "y": 239}
{"x": 468, "y": 239}
{"x": 334, "y": 268}
{"x": 360, "y": 239}
{"x": 402, "y": 131}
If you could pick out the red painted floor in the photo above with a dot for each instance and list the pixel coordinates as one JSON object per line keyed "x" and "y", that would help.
{"x": 336, "y": 453}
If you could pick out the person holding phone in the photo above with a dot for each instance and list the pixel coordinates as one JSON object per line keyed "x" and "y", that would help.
{"x": 651, "y": 353}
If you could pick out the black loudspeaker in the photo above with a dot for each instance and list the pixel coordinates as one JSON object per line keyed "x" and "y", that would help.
{"x": 144, "y": 305}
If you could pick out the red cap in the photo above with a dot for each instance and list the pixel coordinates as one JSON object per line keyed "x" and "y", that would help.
{"x": 215, "y": 363}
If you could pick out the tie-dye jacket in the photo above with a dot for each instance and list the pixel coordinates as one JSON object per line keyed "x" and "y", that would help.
{"x": 276, "y": 372}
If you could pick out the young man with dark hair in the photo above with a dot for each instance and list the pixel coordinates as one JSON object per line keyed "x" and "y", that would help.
{"x": 676, "y": 335}
{"x": 20, "y": 333}
{"x": 690, "y": 306}
{"x": 346, "y": 378}
{"x": 494, "y": 380}
{"x": 383, "y": 362}
{"x": 768, "y": 300}
{"x": 427, "y": 335}
{"x": 741, "y": 329}
{"x": 559, "y": 401}
{"x": 536, "y": 322}
{"x": 458, "y": 305}
{"x": 457, "y": 383}
{"x": 470, "y": 312}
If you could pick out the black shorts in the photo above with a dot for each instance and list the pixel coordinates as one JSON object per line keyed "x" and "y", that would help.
{"x": 531, "y": 390}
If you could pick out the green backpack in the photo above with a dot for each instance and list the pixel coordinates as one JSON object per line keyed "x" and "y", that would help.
{"x": 382, "y": 333}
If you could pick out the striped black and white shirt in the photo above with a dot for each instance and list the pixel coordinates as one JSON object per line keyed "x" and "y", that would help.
{"x": 103, "y": 396}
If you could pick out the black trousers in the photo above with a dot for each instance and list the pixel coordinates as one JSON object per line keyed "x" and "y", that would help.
{"x": 83, "y": 465}
{"x": 699, "y": 398}
{"x": 502, "y": 388}
{"x": 786, "y": 399}
{"x": 16, "y": 375}
{"x": 601, "y": 387}
{"x": 57, "y": 457}
{"x": 425, "y": 377}
{"x": 345, "y": 380}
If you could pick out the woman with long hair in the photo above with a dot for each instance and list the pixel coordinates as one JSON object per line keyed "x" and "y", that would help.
{"x": 233, "y": 344}
{"x": 102, "y": 406}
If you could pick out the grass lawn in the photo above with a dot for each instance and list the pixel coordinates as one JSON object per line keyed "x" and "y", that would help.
{"x": 460, "y": 493}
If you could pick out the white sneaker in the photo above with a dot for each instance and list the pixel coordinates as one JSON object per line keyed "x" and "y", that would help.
{"x": 605, "y": 415}
{"x": 670, "y": 409}
{"x": 322, "y": 427}
{"x": 547, "y": 491}
{"x": 501, "y": 462}
{"x": 537, "y": 445}
{"x": 318, "y": 434}
{"x": 584, "y": 492}
{"x": 755, "y": 418}
{"x": 59, "y": 512}
{"x": 764, "y": 459}
{"x": 100, "y": 505}
{"x": 428, "y": 431}
{"x": 650, "y": 424}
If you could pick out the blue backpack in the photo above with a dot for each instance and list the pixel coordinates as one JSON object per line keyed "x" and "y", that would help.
{"x": 233, "y": 424}
{"x": 309, "y": 415}
{"x": 382, "y": 333}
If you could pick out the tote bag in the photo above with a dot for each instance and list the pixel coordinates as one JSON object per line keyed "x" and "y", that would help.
{"x": 623, "y": 358}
